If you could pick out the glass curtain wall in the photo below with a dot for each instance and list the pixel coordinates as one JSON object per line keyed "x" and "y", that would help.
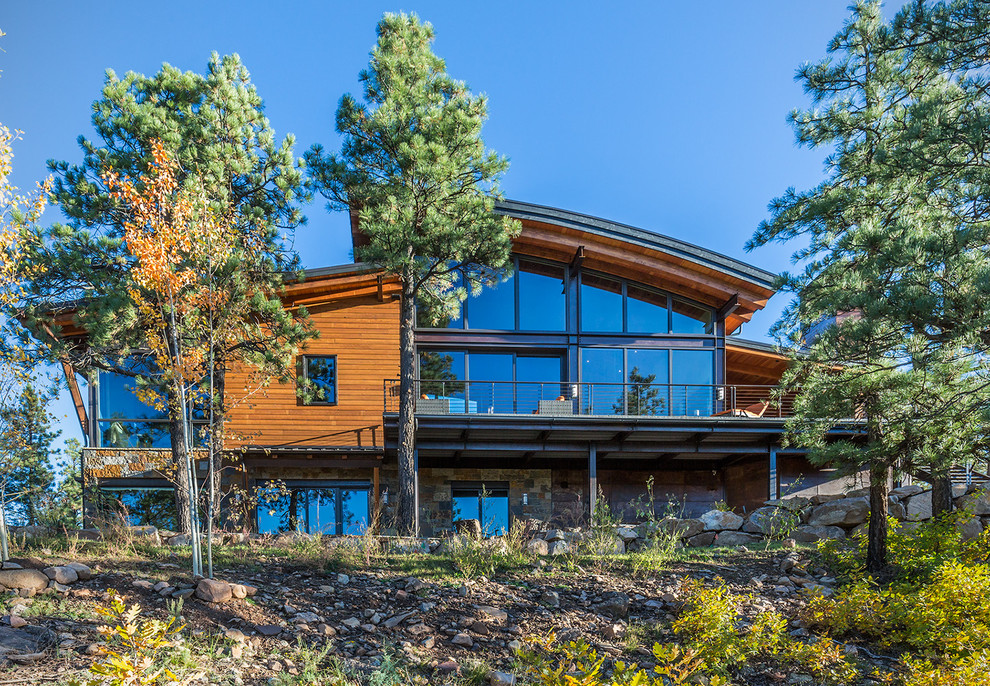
{"x": 324, "y": 508}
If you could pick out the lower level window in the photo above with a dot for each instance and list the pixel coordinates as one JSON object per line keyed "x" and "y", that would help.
{"x": 313, "y": 508}
{"x": 139, "y": 506}
{"x": 488, "y": 503}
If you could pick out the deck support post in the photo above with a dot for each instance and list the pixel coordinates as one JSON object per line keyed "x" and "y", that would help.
{"x": 592, "y": 479}
{"x": 774, "y": 485}
{"x": 376, "y": 490}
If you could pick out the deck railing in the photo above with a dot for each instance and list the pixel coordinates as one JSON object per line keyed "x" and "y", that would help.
{"x": 558, "y": 398}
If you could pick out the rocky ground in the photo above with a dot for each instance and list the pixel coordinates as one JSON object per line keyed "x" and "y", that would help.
{"x": 279, "y": 617}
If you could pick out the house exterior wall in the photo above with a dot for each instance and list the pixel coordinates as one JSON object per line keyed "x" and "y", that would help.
{"x": 364, "y": 335}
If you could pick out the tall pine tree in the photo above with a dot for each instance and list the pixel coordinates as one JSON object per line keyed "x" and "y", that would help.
{"x": 887, "y": 257}
{"x": 26, "y": 438}
{"x": 415, "y": 168}
{"x": 214, "y": 126}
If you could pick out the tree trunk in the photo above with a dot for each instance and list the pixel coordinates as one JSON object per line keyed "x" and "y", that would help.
{"x": 406, "y": 513}
{"x": 876, "y": 549}
{"x": 182, "y": 487}
{"x": 216, "y": 437}
{"x": 941, "y": 493}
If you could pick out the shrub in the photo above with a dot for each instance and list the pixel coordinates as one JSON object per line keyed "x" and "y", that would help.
{"x": 137, "y": 642}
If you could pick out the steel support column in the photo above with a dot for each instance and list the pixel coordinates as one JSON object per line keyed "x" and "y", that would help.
{"x": 592, "y": 478}
{"x": 773, "y": 487}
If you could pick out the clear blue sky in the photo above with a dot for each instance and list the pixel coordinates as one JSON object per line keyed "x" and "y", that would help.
{"x": 667, "y": 116}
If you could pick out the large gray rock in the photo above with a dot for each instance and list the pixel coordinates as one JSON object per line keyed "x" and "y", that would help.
{"x": 970, "y": 528}
{"x": 919, "y": 507}
{"x": 614, "y": 604}
{"x": 905, "y": 491}
{"x": 769, "y": 520}
{"x": 795, "y": 503}
{"x": 62, "y": 575}
{"x": 701, "y": 540}
{"x": 148, "y": 533}
{"x": 813, "y": 534}
{"x": 538, "y": 547}
{"x": 977, "y": 503}
{"x": 719, "y": 520}
{"x": 847, "y": 512}
{"x": 734, "y": 538}
{"x": 557, "y": 547}
{"x": 82, "y": 571}
{"x": 685, "y": 528}
{"x": 23, "y": 580}
{"x": 626, "y": 533}
{"x": 896, "y": 509}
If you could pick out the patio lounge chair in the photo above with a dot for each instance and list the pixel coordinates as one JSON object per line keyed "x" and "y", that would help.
{"x": 754, "y": 411}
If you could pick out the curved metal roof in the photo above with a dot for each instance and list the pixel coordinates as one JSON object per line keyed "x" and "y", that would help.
{"x": 631, "y": 234}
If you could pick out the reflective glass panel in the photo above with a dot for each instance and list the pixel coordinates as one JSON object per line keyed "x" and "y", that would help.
{"x": 494, "y": 307}
{"x": 122, "y": 434}
{"x": 142, "y": 506}
{"x": 601, "y": 304}
{"x": 425, "y": 316}
{"x": 466, "y": 505}
{"x": 688, "y": 318}
{"x": 495, "y": 514}
{"x": 601, "y": 381}
{"x": 279, "y": 509}
{"x": 321, "y": 510}
{"x": 538, "y": 378}
{"x": 490, "y": 389}
{"x": 647, "y": 392}
{"x": 354, "y": 511}
{"x": 542, "y": 297}
{"x": 489, "y": 505}
{"x": 118, "y": 401}
{"x": 439, "y": 371}
{"x": 321, "y": 370}
{"x": 692, "y": 376}
{"x": 646, "y": 310}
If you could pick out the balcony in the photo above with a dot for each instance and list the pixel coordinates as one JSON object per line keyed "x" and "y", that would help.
{"x": 562, "y": 399}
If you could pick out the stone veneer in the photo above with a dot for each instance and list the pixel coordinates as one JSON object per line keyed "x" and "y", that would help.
{"x": 124, "y": 463}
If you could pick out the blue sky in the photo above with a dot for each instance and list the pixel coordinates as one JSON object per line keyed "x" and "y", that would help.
{"x": 667, "y": 116}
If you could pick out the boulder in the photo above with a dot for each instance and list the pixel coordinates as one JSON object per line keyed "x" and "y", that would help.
{"x": 468, "y": 527}
{"x": 685, "y": 528}
{"x": 147, "y": 532}
{"x": 29, "y": 531}
{"x": 795, "y": 503}
{"x": 812, "y": 534}
{"x": 702, "y": 539}
{"x": 977, "y": 503}
{"x": 553, "y": 535}
{"x": 769, "y": 520}
{"x": 905, "y": 491}
{"x": 626, "y": 533}
{"x": 557, "y": 547}
{"x": 82, "y": 571}
{"x": 847, "y": 512}
{"x": 238, "y": 591}
{"x": 720, "y": 520}
{"x": 61, "y": 575}
{"x": 822, "y": 498}
{"x": 462, "y": 639}
{"x": 180, "y": 540}
{"x": 970, "y": 528}
{"x": 919, "y": 507}
{"x": 733, "y": 538}
{"x": 23, "y": 579}
{"x": 501, "y": 679}
{"x": 538, "y": 547}
{"x": 213, "y": 591}
{"x": 896, "y": 509}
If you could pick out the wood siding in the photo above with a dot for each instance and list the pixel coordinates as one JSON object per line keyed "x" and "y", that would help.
{"x": 363, "y": 333}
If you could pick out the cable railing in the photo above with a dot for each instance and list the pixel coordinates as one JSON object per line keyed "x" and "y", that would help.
{"x": 558, "y": 398}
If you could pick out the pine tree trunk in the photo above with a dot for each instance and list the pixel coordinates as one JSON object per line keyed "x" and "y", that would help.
{"x": 406, "y": 514}
{"x": 876, "y": 549}
{"x": 941, "y": 493}
{"x": 182, "y": 486}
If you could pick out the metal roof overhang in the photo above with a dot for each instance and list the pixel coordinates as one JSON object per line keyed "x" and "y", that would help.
{"x": 675, "y": 441}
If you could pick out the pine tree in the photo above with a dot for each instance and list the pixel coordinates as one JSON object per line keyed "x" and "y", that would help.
{"x": 26, "y": 450}
{"x": 214, "y": 127}
{"x": 888, "y": 258}
{"x": 414, "y": 167}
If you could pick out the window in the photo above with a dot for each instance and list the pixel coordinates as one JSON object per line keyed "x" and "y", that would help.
{"x": 320, "y": 376}
{"x": 489, "y": 382}
{"x": 646, "y": 310}
{"x": 542, "y": 296}
{"x": 494, "y": 307}
{"x": 688, "y": 318}
{"x": 313, "y": 507}
{"x": 125, "y": 421}
{"x": 601, "y": 303}
{"x": 140, "y": 506}
{"x": 486, "y": 502}
{"x": 692, "y": 374}
{"x": 601, "y": 380}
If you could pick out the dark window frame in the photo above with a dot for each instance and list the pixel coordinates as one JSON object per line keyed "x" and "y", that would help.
{"x": 336, "y": 381}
